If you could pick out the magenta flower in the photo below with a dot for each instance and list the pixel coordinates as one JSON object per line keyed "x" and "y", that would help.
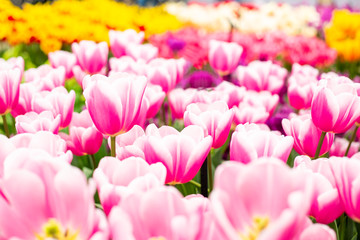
{"x": 306, "y": 135}
{"x": 224, "y": 57}
{"x": 46, "y": 77}
{"x": 215, "y": 119}
{"x": 182, "y": 153}
{"x": 9, "y": 89}
{"x": 335, "y": 100}
{"x": 247, "y": 113}
{"x": 327, "y": 205}
{"x": 115, "y": 102}
{"x": 11, "y": 63}
{"x": 127, "y": 64}
{"x": 83, "y": 136}
{"x": 245, "y": 207}
{"x": 338, "y": 148}
{"x": 117, "y": 179}
{"x": 58, "y": 101}
{"x": 179, "y": 99}
{"x": 235, "y": 93}
{"x": 61, "y": 205}
{"x": 346, "y": 174}
{"x": 155, "y": 95}
{"x": 119, "y": 41}
{"x": 260, "y": 76}
{"x": 33, "y": 122}
{"x": 91, "y": 56}
{"x": 65, "y": 59}
{"x": 27, "y": 91}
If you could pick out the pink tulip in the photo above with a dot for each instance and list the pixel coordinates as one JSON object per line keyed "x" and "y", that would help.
{"x": 91, "y": 56}
{"x": 162, "y": 72}
{"x": 11, "y": 63}
{"x": 340, "y": 145}
{"x": 327, "y": 205}
{"x": 159, "y": 213}
{"x": 224, "y": 57}
{"x": 6, "y": 147}
{"x": 65, "y": 59}
{"x": 235, "y": 93}
{"x": 247, "y": 113}
{"x": 9, "y": 91}
{"x": 304, "y": 70}
{"x": 318, "y": 231}
{"x": 335, "y": 100}
{"x": 79, "y": 75}
{"x": 155, "y": 95}
{"x": 346, "y": 174}
{"x": 46, "y": 141}
{"x": 53, "y": 201}
{"x": 179, "y": 99}
{"x": 127, "y": 64}
{"x": 182, "y": 153}
{"x": 249, "y": 143}
{"x": 263, "y": 98}
{"x": 205, "y": 96}
{"x": 83, "y": 136}
{"x": 145, "y": 52}
{"x": 32, "y": 122}
{"x": 130, "y": 144}
{"x": 260, "y": 76}
{"x": 215, "y": 119}
{"x": 119, "y": 41}
{"x": 247, "y": 207}
{"x": 46, "y": 77}
{"x": 27, "y": 91}
{"x": 58, "y": 101}
{"x": 115, "y": 102}
{"x": 306, "y": 135}
{"x": 117, "y": 179}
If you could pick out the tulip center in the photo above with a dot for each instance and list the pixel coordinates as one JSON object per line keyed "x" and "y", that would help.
{"x": 253, "y": 232}
{"x": 54, "y": 231}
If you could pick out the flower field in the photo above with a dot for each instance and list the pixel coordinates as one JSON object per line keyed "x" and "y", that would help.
{"x": 180, "y": 121}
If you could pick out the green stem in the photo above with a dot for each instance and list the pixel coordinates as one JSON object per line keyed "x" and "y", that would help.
{"x": 351, "y": 139}
{"x": 92, "y": 161}
{"x": 6, "y": 127}
{"x": 209, "y": 163}
{"x": 163, "y": 113}
{"x": 321, "y": 140}
{"x": 336, "y": 230}
{"x": 113, "y": 146}
{"x": 196, "y": 184}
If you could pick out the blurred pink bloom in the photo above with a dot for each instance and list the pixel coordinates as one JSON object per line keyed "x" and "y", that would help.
{"x": 250, "y": 142}
{"x": 182, "y": 153}
{"x": 160, "y": 213}
{"x": 248, "y": 113}
{"x": 53, "y": 200}
{"x": 335, "y": 100}
{"x": 340, "y": 145}
{"x": 244, "y": 206}
{"x": 179, "y": 99}
{"x": 130, "y": 144}
{"x": 346, "y": 174}
{"x": 145, "y": 52}
{"x": 115, "y": 102}
{"x": 33, "y": 122}
{"x": 127, "y": 64}
{"x": 262, "y": 99}
{"x": 83, "y": 136}
{"x": 58, "y": 101}
{"x": 46, "y": 77}
{"x": 214, "y": 118}
{"x": 302, "y": 83}
{"x": 117, "y": 179}
{"x": 9, "y": 89}
{"x": 11, "y": 63}
{"x": 306, "y": 135}
{"x": 209, "y": 96}
{"x": 27, "y": 91}
{"x": 224, "y": 57}
{"x": 155, "y": 95}
{"x": 44, "y": 140}
{"x": 235, "y": 93}
{"x": 260, "y": 76}
{"x": 162, "y": 72}
{"x": 119, "y": 41}
{"x": 327, "y": 205}
{"x": 65, "y": 59}
{"x": 91, "y": 56}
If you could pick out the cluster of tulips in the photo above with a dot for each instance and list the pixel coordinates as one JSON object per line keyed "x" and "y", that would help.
{"x": 131, "y": 103}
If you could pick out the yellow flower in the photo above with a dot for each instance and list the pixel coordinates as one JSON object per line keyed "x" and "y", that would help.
{"x": 343, "y": 34}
